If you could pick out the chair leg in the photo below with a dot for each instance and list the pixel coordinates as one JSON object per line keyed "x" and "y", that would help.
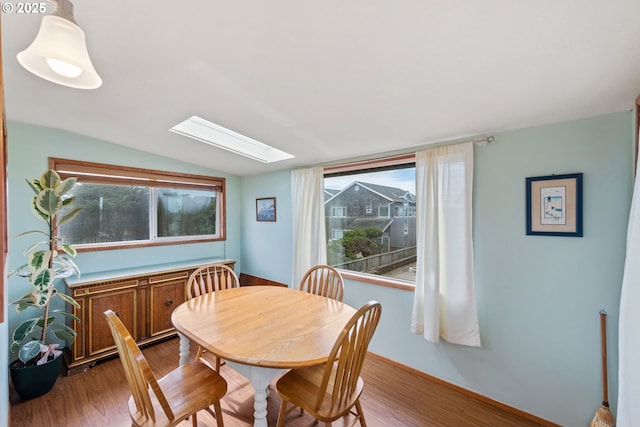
{"x": 218, "y": 410}
{"x": 282, "y": 413}
{"x": 217, "y": 364}
{"x": 363, "y": 423}
{"x": 194, "y": 420}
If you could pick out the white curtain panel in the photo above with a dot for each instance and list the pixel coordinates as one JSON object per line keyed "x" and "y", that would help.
{"x": 309, "y": 237}
{"x": 628, "y": 328}
{"x": 445, "y": 299}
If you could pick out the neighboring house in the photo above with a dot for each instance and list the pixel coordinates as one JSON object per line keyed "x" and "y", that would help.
{"x": 329, "y": 193}
{"x": 362, "y": 205}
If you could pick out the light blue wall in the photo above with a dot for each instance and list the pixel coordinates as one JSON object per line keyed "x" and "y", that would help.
{"x": 538, "y": 296}
{"x": 266, "y": 246}
{"x": 29, "y": 150}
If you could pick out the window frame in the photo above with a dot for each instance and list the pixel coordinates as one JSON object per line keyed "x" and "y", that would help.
{"x": 341, "y": 209}
{"x": 389, "y": 162}
{"x": 101, "y": 173}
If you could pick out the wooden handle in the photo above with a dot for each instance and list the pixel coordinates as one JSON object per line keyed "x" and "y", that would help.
{"x": 603, "y": 337}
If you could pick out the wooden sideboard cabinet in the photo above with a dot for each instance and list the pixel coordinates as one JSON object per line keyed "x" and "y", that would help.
{"x": 143, "y": 298}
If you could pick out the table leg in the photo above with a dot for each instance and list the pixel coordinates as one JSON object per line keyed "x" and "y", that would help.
{"x": 260, "y": 378}
{"x": 184, "y": 349}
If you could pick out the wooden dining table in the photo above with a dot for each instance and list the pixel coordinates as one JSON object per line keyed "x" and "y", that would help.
{"x": 261, "y": 331}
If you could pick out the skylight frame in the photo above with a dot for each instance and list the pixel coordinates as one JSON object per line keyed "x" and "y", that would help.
{"x": 210, "y": 133}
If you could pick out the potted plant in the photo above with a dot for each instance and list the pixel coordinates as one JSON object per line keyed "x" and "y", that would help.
{"x": 47, "y": 260}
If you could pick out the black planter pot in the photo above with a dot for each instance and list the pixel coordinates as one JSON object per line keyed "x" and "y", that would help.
{"x": 34, "y": 381}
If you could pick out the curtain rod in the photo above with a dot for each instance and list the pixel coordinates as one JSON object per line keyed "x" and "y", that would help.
{"x": 484, "y": 141}
{"x": 392, "y": 159}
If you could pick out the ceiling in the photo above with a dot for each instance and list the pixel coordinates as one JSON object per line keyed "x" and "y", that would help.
{"x": 330, "y": 80}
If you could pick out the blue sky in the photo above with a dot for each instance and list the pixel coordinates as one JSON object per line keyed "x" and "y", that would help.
{"x": 401, "y": 178}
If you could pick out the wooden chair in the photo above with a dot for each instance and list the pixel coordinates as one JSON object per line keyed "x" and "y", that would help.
{"x": 211, "y": 278}
{"x": 323, "y": 280}
{"x": 331, "y": 391}
{"x": 176, "y": 396}
{"x": 207, "y": 279}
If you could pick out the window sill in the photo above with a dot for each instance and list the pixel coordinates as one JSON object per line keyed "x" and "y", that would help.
{"x": 378, "y": 280}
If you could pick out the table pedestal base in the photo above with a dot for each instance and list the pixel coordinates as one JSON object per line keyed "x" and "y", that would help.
{"x": 260, "y": 378}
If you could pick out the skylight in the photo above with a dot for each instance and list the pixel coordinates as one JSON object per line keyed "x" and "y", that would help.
{"x": 210, "y": 133}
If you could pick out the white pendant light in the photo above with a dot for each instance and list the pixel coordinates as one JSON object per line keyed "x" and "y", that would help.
{"x": 59, "y": 51}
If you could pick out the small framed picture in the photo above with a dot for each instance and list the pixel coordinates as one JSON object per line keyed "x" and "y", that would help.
{"x": 266, "y": 209}
{"x": 554, "y": 205}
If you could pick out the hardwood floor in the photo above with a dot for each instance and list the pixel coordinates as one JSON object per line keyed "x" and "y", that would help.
{"x": 393, "y": 396}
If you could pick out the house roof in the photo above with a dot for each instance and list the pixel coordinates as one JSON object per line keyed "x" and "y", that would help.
{"x": 329, "y": 193}
{"x": 393, "y": 194}
{"x": 362, "y": 223}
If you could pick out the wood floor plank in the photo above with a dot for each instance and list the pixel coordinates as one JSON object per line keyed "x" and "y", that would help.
{"x": 393, "y": 397}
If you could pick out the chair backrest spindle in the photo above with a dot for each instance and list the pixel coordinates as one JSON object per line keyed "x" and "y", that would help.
{"x": 211, "y": 278}
{"x": 323, "y": 280}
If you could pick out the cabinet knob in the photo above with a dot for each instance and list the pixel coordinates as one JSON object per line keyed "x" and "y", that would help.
{"x": 168, "y": 302}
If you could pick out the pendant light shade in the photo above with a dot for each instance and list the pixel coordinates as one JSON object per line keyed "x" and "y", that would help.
{"x": 59, "y": 52}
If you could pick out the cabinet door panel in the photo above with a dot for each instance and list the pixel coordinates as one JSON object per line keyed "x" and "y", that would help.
{"x": 165, "y": 297}
{"x": 124, "y": 304}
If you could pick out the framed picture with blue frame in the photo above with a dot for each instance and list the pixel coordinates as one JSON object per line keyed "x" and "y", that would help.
{"x": 554, "y": 205}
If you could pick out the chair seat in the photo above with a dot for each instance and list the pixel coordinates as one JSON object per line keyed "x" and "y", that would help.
{"x": 301, "y": 387}
{"x": 187, "y": 387}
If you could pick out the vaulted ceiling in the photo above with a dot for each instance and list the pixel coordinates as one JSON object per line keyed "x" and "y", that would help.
{"x": 329, "y": 80}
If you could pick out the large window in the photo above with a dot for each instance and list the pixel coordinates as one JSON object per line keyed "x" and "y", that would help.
{"x": 370, "y": 217}
{"x": 123, "y": 207}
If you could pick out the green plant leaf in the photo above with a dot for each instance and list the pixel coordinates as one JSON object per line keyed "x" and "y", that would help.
{"x": 38, "y": 261}
{"x": 68, "y": 300}
{"x": 32, "y": 232}
{"x": 24, "y": 330}
{"x": 30, "y": 350}
{"x": 69, "y": 215}
{"x": 65, "y": 267}
{"x": 42, "y": 288}
{"x": 66, "y": 185}
{"x": 50, "y": 320}
{"x": 48, "y": 202}
{"x": 32, "y": 247}
{"x": 35, "y": 185}
{"x": 64, "y": 329}
{"x": 49, "y": 179}
{"x": 23, "y": 303}
{"x": 18, "y": 270}
{"x": 68, "y": 249}
{"x": 44, "y": 279}
{"x": 65, "y": 335}
{"x": 69, "y": 201}
{"x": 67, "y": 315}
{"x": 37, "y": 212}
